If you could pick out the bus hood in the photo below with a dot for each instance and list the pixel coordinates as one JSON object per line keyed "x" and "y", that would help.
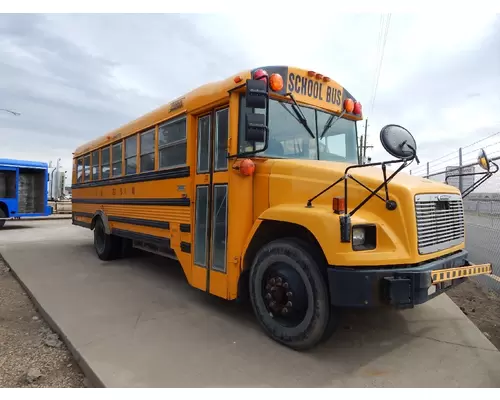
{"x": 296, "y": 181}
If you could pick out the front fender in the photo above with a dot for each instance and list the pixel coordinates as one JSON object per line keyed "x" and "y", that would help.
{"x": 324, "y": 225}
{"x": 320, "y": 221}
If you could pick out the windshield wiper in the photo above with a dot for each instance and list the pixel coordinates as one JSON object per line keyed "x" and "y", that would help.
{"x": 300, "y": 116}
{"x": 330, "y": 122}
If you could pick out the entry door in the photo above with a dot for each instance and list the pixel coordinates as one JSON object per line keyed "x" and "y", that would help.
{"x": 211, "y": 205}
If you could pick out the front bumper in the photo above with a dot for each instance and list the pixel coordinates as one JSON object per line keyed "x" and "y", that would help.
{"x": 400, "y": 287}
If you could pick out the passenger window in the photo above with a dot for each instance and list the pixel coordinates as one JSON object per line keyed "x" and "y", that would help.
{"x": 148, "y": 151}
{"x": 95, "y": 165}
{"x": 201, "y": 226}
{"x": 105, "y": 163}
{"x": 172, "y": 143}
{"x": 222, "y": 128}
{"x": 131, "y": 155}
{"x": 117, "y": 160}
{"x": 204, "y": 144}
{"x": 79, "y": 170}
{"x": 219, "y": 228}
{"x": 86, "y": 168}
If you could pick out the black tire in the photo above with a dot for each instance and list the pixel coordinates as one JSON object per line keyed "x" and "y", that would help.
{"x": 309, "y": 320}
{"x": 107, "y": 247}
{"x": 2, "y": 221}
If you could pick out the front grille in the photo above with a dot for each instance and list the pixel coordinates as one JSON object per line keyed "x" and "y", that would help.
{"x": 440, "y": 221}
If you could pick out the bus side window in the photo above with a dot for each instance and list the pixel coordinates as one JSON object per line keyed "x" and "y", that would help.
{"x": 222, "y": 128}
{"x": 172, "y": 143}
{"x": 131, "y": 155}
{"x": 105, "y": 163}
{"x": 116, "y": 159}
{"x": 148, "y": 151}
{"x": 86, "y": 168}
{"x": 79, "y": 170}
{"x": 95, "y": 165}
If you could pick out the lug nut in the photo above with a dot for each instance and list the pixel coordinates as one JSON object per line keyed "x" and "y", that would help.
{"x": 272, "y": 281}
{"x": 269, "y": 296}
{"x": 272, "y": 304}
{"x": 288, "y": 304}
{"x": 284, "y": 311}
{"x": 285, "y": 285}
{"x": 279, "y": 281}
{"x": 289, "y": 294}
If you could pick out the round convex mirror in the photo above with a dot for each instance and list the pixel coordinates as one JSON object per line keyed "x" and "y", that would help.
{"x": 482, "y": 160}
{"x": 398, "y": 142}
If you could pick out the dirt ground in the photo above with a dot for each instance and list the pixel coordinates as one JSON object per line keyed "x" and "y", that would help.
{"x": 482, "y": 306}
{"x": 31, "y": 355}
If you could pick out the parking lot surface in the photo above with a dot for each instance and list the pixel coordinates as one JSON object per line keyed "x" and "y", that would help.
{"x": 137, "y": 323}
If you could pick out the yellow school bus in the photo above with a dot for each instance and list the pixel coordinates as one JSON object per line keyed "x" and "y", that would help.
{"x": 254, "y": 185}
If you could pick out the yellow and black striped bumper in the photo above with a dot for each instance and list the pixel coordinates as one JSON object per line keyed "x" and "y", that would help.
{"x": 443, "y": 275}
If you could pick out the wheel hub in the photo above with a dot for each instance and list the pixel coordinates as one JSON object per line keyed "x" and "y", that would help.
{"x": 285, "y": 295}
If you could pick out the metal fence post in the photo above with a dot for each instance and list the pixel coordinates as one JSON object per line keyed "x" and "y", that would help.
{"x": 460, "y": 180}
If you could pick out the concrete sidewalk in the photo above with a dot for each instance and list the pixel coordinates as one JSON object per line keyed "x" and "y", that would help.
{"x": 137, "y": 323}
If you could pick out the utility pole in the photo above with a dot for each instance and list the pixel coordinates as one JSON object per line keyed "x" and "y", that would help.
{"x": 364, "y": 144}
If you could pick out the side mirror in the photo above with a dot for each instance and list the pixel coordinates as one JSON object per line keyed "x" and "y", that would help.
{"x": 257, "y": 93}
{"x": 255, "y": 128}
{"x": 399, "y": 142}
{"x": 483, "y": 161}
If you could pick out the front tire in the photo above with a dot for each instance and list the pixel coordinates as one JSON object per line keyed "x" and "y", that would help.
{"x": 106, "y": 246}
{"x": 289, "y": 294}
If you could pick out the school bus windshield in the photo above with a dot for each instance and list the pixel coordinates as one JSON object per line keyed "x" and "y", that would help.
{"x": 289, "y": 138}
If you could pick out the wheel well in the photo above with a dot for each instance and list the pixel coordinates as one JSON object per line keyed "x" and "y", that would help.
{"x": 4, "y": 208}
{"x": 271, "y": 230}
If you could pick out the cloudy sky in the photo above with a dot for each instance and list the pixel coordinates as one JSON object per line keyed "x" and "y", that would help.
{"x": 74, "y": 77}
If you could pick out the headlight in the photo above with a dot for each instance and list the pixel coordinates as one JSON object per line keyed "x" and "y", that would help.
{"x": 358, "y": 236}
{"x": 364, "y": 237}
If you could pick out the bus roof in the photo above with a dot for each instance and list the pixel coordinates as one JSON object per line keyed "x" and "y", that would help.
{"x": 307, "y": 86}
{"x": 7, "y": 162}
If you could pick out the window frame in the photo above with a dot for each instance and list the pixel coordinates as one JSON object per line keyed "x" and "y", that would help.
{"x": 174, "y": 143}
{"x": 198, "y": 147}
{"x": 79, "y": 164}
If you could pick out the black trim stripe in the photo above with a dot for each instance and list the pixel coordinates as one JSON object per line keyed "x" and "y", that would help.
{"x": 185, "y": 228}
{"x": 186, "y": 247}
{"x": 82, "y": 214}
{"x": 82, "y": 224}
{"x": 183, "y": 202}
{"x": 160, "y": 241}
{"x": 181, "y": 172}
{"x": 141, "y": 222}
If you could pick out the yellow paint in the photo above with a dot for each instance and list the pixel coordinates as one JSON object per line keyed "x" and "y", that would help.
{"x": 278, "y": 191}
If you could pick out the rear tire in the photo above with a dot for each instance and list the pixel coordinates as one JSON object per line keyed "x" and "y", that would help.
{"x": 289, "y": 294}
{"x": 107, "y": 247}
{"x": 2, "y": 221}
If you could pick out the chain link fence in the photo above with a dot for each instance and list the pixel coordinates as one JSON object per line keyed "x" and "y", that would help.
{"x": 481, "y": 206}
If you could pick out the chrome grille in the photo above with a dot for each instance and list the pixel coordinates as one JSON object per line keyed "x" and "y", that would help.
{"x": 440, "y": 221}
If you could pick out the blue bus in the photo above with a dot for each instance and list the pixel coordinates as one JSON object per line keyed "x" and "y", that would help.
{"x": 23, "y": 189}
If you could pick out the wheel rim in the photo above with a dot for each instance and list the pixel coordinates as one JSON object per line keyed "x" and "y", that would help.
{"x": 284, "y": 295}
{"x": 99, "y": 238}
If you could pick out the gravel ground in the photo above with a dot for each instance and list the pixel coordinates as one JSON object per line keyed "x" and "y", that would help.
{"x": 31, "y": 354}
{"x": 481, "y": 305}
